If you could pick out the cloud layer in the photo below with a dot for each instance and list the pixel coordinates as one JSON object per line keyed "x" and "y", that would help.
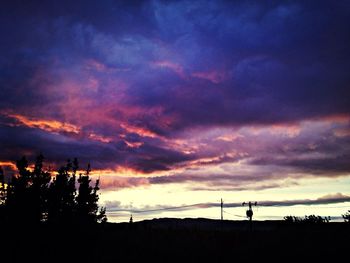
{"x": 224, "y": 95}
{"x": 337, "y": 198}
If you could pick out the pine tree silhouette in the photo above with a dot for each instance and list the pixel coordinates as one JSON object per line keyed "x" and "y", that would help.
{"x": 2, "y": 194}
{"x": 34, "y": 195}
{"x": 2, "y": 187}
{"x": 62, "y": 192}
{"x": 19, "y": 198}
{"x": 87, "y": 198}
{"x": 39, "y": 190}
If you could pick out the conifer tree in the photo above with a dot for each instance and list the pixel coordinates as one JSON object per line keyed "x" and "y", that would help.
{"x": 33, "y": 195}
{"x": 87, "y": 198}
{"x": 62, "y": 193}
{"x": 2, "y": 187}
{"x": 2, "y": 194}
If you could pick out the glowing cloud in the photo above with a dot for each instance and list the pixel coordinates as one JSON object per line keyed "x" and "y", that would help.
{"x": 47, "y": 125}
{"x": 138, "y": 130}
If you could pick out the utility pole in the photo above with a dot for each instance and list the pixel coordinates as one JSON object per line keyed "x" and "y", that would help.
{"x": 222, "y": 210}
{"x": 249, "y": 212}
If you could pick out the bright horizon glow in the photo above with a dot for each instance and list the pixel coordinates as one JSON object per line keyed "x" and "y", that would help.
{"x": 147, "y": 198}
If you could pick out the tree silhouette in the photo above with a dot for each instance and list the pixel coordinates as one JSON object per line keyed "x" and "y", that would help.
{"x": 62, "y": 194}
{"x": 39, "y": 190}
{"x": 34, "y": 195}
{"x": 309, "y": 219}
{"x": 2, "y": 194}
{"x": 87, "y": 200}
{"x": 20, "y": 201}
{"x": 2, "y": 187}
{"x": 346, "y": 216}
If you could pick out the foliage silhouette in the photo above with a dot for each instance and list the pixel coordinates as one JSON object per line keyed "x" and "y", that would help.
{"x": 2, "y": 187}
{"x": 62, "y": 194}
{"x": 311, "y": 219}
{"x": 346, "y": 216}
{"x": 87, "y": 198}
{"x": 35, "y": 195}
{"x": 2, "y": 194}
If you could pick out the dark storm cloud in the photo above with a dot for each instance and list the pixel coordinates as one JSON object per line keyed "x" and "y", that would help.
{"x": 291, "y": 56}
{"x": 286, "y": 56}
{"x": 327, "y": 166}
{"x": 133, "y": 75}
{"x": 322, "y": 154}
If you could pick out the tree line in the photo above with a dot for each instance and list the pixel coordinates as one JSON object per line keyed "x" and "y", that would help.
{"x": 310, "y": 219}
{"x": 37, "y": 195}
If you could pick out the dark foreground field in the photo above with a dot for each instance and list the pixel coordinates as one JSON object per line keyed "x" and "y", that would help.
{"x": 181, "y": 240}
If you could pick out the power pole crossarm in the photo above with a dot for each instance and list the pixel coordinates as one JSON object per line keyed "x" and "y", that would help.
{"x": 249, "y": 212}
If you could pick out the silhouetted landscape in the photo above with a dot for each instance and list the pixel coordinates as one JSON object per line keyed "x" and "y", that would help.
{"x": 184, "y": 240}
{"x": 45, "y": 217}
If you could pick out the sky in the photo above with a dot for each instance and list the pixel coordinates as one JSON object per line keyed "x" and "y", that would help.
{"x": 177, "y": 104}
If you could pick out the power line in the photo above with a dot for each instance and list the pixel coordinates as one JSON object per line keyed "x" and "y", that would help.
{"x": 233, "y": 214}
{"x": 206, "y": 205}
{"x": 198, "y": 205}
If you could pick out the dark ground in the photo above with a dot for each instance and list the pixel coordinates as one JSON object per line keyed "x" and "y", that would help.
{"x": 181, "y": 240}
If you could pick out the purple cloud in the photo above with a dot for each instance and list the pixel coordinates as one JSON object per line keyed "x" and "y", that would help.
{"x": 178, "y": 88}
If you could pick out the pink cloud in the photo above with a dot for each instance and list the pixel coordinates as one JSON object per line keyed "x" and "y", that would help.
{"x": 100, "y": 138}
{"x": 178, "y": 69}
{"x": 143, "y": 132}
{"x": 213, "y": 76}
{"x": 116, "y": 182}
{"x": 133, "y": 144}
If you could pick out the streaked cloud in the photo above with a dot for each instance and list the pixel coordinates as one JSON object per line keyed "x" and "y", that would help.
{"x": 46, "y": 125}
{"x": 329, "y": 199}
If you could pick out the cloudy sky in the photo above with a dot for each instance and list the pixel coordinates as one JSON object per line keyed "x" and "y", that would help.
{"x": 181, "y": 103}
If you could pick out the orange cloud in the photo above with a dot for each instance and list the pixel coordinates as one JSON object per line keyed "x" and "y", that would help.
{"x": 8, "y": 164}
{"x": 229, "y": 137}
{"x": 138, "y": 130}
{"x": 120, "y": 171}
{"x": 47, "y": 125}
{"x": 100, "y": 138}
